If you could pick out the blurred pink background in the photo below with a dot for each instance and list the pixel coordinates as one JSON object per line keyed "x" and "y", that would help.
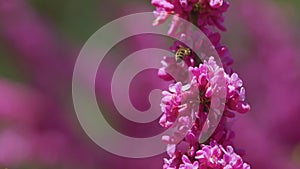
{"x": 39, "y": 43}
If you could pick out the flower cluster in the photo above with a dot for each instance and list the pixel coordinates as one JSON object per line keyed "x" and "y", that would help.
{"x": 210, "y": 156}
{"x": 205, "y": 96}
{"x": 180, "y": 102}
{"x": 203, "y": 13}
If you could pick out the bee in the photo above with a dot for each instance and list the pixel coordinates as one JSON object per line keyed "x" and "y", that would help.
{"x": 181, "y": 53}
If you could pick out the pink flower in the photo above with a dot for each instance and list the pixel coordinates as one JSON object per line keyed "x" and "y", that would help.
{"x": 208, "y": 12}
{"x": 171, "y": 105}
{"x": 161, "y": 16}
{"x": 187, "y": 164}
{"x": 212, "y": 156}
{"x": 215, "y": 156}
{"x": 209, "y": 156}
{"x": 163, "y": 4}
{"x": 231, "y": 160}
{"x": 207, "y": 80}
{"x": 236, "y": 95}
{"x": 216, "y": 3}
{"x": 212, "y": 16}
{"x": 173, "y": 71}
{"x": 173, "y": 162}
